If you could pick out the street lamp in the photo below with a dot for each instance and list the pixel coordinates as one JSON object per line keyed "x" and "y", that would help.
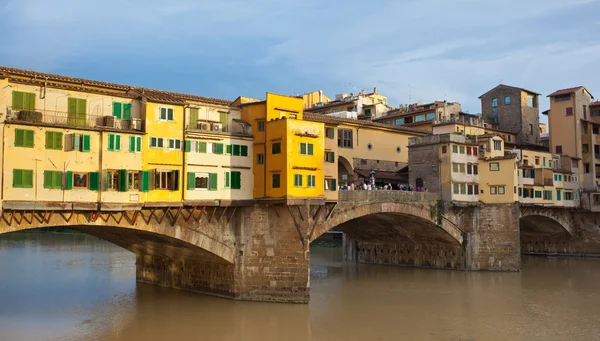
{"x": 372, "y": 173}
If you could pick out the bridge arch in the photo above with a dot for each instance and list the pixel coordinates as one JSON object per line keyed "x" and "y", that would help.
{"x": 545, "y": 230}
{"x": 552, "y": 218}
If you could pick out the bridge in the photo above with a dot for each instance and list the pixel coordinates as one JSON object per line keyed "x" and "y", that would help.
{"x": 261, "y": 252}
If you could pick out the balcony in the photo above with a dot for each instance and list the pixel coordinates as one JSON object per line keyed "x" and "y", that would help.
{"x": 548, "y": 182}
{"x": 527, "y": 181}
{"x": 65, "y": 119}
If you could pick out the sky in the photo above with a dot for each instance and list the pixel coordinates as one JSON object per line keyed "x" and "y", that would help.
{"x": 410, "y": 50}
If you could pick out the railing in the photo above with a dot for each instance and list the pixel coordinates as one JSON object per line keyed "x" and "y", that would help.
{"x": 548, "y": 182}
{"x": 61, "y": 118}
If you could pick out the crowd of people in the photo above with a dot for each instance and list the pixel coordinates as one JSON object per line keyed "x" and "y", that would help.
{"x": 388, "y": 187}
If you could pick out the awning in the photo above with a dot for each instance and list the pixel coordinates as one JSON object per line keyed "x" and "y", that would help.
{"x": 381, "y": 175}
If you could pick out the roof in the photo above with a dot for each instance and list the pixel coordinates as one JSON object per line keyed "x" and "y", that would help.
{"x": 335, "y": 120}
{"x": 504, "y": 157}
{"x": 508, "y": 86}
{"x": 336, "y": 103}
{"x": 568, "y": 91}
{"x": 152, "y": 94}
{"x": 595, "y": 104}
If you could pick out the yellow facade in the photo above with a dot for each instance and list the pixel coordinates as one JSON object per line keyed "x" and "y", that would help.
{"x": 498, "y": 173}
{"x": 312, "y": 98}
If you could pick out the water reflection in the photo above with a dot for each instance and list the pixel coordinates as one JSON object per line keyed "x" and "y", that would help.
{"x": 76, "y": 287}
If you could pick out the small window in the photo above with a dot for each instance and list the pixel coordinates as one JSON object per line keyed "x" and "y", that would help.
{"x": 53, "y": 179}
{"x": 585, "y": 148}
{"x": 276, "y": 180}
{"x": 497, "y": 145}
{"x": 494, "y": 166}
{"x": 562, "y": 98}
{"x": 122, "y": 110}
{"x": 367, "y": 112}
{"x": 80, "y": 180}
{"x": 54, "y": 140}
{"x": 569, "y": 111}
{"x": 330, "y": 157}
{"x": 430, "y": 116}
{"x": 112, "y": 180}
{"x": 164, "y": 179}
{"x": 156, "y": 142}
{"x": 260, "y": 125}
{"x": 166, "y": 114}
{"x": 595, "y": 112}
{"x": 260, "y": 159}
{"x": 506, "y": 100}
{"x": 114, "y": 142}
{"x": 474, "y": 150}
{"x": 135, "y": 144}
{"x": 444, "y": 149}
{"x": 586, "y": 166}
{"x": 454, "y": 148}
{"x": 501, "y": 190}
{"x": 22, "y": 178}
{"x": 558, "y": 149}
{"x": 276, "y": 148}
{"x": 462, "y": 149}
{"x": 174, "y": 144}
{"x": 585, "y": 128}
{"x": 399, "y": 121}
{"x": 311, "y": 179}
{"x": 330, "y": 133}
{"x": 420, "y": 118}
{"x": 494, "y": 102}
{"x": 306, "y": 149}
{"x": 23, "y": 138}
{"x": 199, "y": 181}
{"x": 456, "y": 189}
{"x": 133, "y": 180}
{"x": 297, "y": 180}
{"x": 493, "y": 190}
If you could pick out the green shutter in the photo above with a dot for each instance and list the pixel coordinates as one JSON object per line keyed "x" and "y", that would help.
{"x": 111, "y": 141}
{"x": 117, "y": 109}
{"x": 29, "y": 142}
{"x": 188, "y": 146}
{"x": 123, "y": 181}
{"x": 72, "y": 106}
{"x": 117, "y": 142}
{"x": 332, "y": 157}
{"x": 49, "y": 140}
{"x": 212, "y": 179}
{"x": 17, "y": 100}
{"x": 94, "y": 181}
{"x": 127, "y": 111}
{"x": 81, "y": 105}
{"x": 219, "y": 148}
{"x": 244, "y": 151}
{"x": 58, "y": 140}
{"x": 131, "y": 144}
{"x": 236, "y": 149}
{"x": 236, "y": 181}
{"x": 303, "y": 148}
{"x": 138, "y": 147}
{"x": 558, "y": 195}
{"x": 202, "y": 147}
{"x": 310, "y": 149}
{"x": 227, "y": 180}
{"x": 17, "y": 178}
{"x": 191, "y": 181}
{"x": 19, "y": 138}
{"x": 228, "y": 149}
{"x": 333, "y": 185}
{"x": 48, "y": 179}
{"x": 193, "y": 119}
{"x": 27, "y": 178}
{"x": 224, "y": 119}
{"x": 69, "y": 180}
{"x": 145, "y": 181}
{"x": 57, "y": 180}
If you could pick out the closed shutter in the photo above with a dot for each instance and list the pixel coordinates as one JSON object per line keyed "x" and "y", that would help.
{"x": 310, "y": 149}
{"x": 123, "y": 183}
{"x": 188, "y": 146}
{"x": 27, "y": 178}
{"x": 227, "y": 180}
{"x": 48, "y": 179}
{"x": 191, "y": 181}
{"x": 212, "y": 179}
{"x": 303, "y": 148}
{"x": 17, "y": 178}
{"x": 236, "y": 181}
{"x": 224, "y": 119}
{"x": 333, "y": 184}
{"x": 58, "y": 141}
{"x": 117, "y": 110}
{"x": 17, "y": 100}
{"x": 57, "y": 179}
{"x": 236, "y": 149}
{"x": 138, "y": 147}
{"x": 202, "y": 147}
{"x": 94, "y": 184}
{"x": 19, "y": 138}
{"x": 117, "y": 142}
{"x": 145, "y": 181}
{"x": 193, "y": 119}
{"x": 127, "y": 111}
{"x": 131, "y": 144}
{"x": 29, "y": 142}
{"x": 333, "y": 158}
{"x": 111, "y": 142}
{"x": 49, "y": 140}
{"x": 69, "y": 181}
{"x": 228, "y": 149}
{"x": 86, "y": 143}
{"x": 219, "y": 148}
{"x": 244, "y": 151}
{"x": 29, "y": 101}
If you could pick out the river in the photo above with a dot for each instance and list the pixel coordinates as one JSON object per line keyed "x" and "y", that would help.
{"x": 57, "y": 286}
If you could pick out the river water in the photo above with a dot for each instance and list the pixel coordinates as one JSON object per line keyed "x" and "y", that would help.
{"x": 75, "y": 287}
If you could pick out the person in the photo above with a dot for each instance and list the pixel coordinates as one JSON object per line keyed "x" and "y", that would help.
{"x": 365, "y": 186}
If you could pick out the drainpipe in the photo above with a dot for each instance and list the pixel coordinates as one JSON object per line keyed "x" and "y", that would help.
{"x": 183, "y": 166}
{"x": 100, "y": 164}
{"x": 265, "y": 157}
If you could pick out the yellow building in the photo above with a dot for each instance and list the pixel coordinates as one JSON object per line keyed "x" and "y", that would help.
{"x": 315, "y": 98}
{"x": 498, "y": 180}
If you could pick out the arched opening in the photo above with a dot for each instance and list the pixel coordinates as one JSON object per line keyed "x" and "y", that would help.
{"x": 419, "y": 183}
{"x": 345, "y": 171}
{"x": 541, "y": 235}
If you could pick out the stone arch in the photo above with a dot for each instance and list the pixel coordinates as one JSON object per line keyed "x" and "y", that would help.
{"x": 137, "y": 237}
{"x": 420, "y": 212}
{"x": 419, "y": 183}
{"x": 555, "y": 217}
{"x": 345, "y": 167}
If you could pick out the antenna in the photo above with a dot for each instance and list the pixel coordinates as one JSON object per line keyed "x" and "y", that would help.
{"x": 409, "y": 94}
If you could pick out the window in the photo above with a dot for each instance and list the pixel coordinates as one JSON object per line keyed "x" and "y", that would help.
{"x": 330, "y": 133}
{"x": 493, "y": 190}
{"x": 311, "y": 181}
{"x": 80, "y": 180}
{"x": 469, "y": 151}
{"x": 586, "y": 166}
{"x": 276, "y": 181}
{"x": 430, "y": 116}
{"x": 260, "y": 125}
{"x": 399, "y": 121}
{"x": 562, "y": 98}
{"x": 306, "y": 148}
{"x": 501, "y": 190}
{"x": 23, "y": 138}
{"x": 494, "y": 102}
{"x": 135, "y": 144}
{"x": 201, "y": 147}
{"x": 520, "y": 191}
{"x": 367, "y": 112}
{"x": 531, "y": 101}
{"x": 454, "y": 148}
{"x": 568, "y": 195}
{"x": 122, "y": 110}
{"x": 112, "y": 180}
{"x": 233, "y": 180}
{"x": 80, "y": 142}
{"x": 462, "y": 149}
{"x": 260, "y": 159}
{"x": 585, "y": 148}
{"x": 537, "y": 161}
{"x": 544, "y": 162}
{"x": 345, "y": 138}
{"x": 174, "y": 144}
{"x": 558, "y": 149}
{"x": 166, "y": 114}
{"x": 497, "y": 145}
{"x": 297, "y": 180}
{"x": 595, "y": 112}
{"x": 133, "y": 180}
{"x": 156, "y": 142}
{"x": 22, "y": 178}
{"x": 276, "y": 148}
{"x": 76, "y": 111}
{"x": 23, "y": 100}
{"x": 474, "y": 150}
{"x": 199, "y": 181}
{"x": 463, "y": 188}
{"x": 166, "y": 179}
{"x": 547, "y": 195}
{"x": 538, "y": 194}
{"x": 585, "y": 128}
{"x": 569, "y": 111}
{"x": 444, "y": 149}
{"x": 54, "y": 140}
{"x": 53, "y": 179}
{"x": 114, "y": 142}
{"x": 494, "y": 166}
{"x": 456, "y": 189}
{"x": 331, "y": 185}
{"x": 506, "y": 100}
{"x": 595, "y": 130}
{"x": 469, "y": 168}
{"x": 330, "y": 157}
{"x": 419, "y": 118}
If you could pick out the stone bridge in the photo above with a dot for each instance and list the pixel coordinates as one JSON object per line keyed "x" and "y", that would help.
{"x": 261, "y": 252}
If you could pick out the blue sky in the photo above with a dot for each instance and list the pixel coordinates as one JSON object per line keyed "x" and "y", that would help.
{"x": 422, "y": 49}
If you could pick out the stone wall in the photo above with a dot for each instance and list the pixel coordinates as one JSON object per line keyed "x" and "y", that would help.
{"x": 428, "y": 254}
{"x": 425, "y": 164}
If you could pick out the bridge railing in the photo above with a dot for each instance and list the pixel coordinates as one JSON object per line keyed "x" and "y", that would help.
{"x": 386, "y": 196}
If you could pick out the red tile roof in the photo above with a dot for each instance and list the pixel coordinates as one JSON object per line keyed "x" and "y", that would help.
{"x": 595, "y": 104}
{"x": 567, "y": 91}
{"x": 335, "y": 120}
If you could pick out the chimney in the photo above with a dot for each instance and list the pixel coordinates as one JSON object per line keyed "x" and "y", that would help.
{"x": 375, "y": 90}
{"x": 320, "y": 96}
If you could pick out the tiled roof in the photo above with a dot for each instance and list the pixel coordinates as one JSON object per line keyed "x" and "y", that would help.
{"x": 504, "y": 157}
{"x": 335, "y": 120}
{"x": 152, "y": 94}
{"x": 595, "y": 104}
{"x": 566, "y": 91}
{"x": 508, "y": 86}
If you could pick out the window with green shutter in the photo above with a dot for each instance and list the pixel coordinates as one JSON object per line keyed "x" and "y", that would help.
{"x": 236, "y": 150}
{"x": 76, "y": 111}
{"x": 303, "y": 148}
{"x": 236, "y": 180}
{"x": 23, "y": 138}
{"x": 218, "y": 148}
{"x": 333, "y": 184}
{"x": 297, "y": 180}
{"x": 23, "y": 100}
{"x": 123, "y": 185}
{"x": 85, "y": 143}
{"x": 311, "y": 181}
{"x": 228, "y": 149}
{"x": 54, "y": 140}
{"x": 201, "y": 147}
{"x": 227, "y": 179}
{"x": 310, "y": 150}
{"x": 145, "y": 181}
{"x": 53, "y": 179}
{"x": 212, "y": 179}
{"x": 454, "y": 148}
{"x": 22, "y": 178}
{"x": 244, "y": 150}
{"x": 191, "y": 181}
{"x": 122, "y": 110}
{"x": 114, "y": 142}
{"x": 135, "y": 144}
{"x": 188, "y": 146}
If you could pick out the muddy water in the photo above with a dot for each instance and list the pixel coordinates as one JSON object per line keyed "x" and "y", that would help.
{"x": 75, "y": 287}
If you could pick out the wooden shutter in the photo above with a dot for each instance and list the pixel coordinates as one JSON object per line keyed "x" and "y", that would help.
{"x": 227, "y": 180}
{"x": 236, "y": 180}
{"x": 212, "y": 179}
{"x": 303, "y": 148}
{"x": 193, "y": 118}
{"x": 333, "y": 184}
{"x": 175, "y": 181}
{"x": 19, "y": 138}
{"x": 48, "y": 179}
{"x": 236, "y": 149}
{"x": 310, "y": 149}
{"x": 228, "y": 149}
{"x": 191, "y": 181}
{"x": 28, "y": 138}
{"x": 69, "y": 182}
{"x": 17, "y": 178}
{"x": 127, "y": 111}
{"x": 94, "y": 179}
{"x": 145, "y": 181}
{"x": 188, "y": 146}
{"x": 131, "y": 144}
{"x": 123, "y": 180}
{"x": 17, "y": 100}
{"x": 202, "y": 147}
{"x": 117, "y": 110}
{"x": 244, "y": 151}
{"x": 58, "y": 141}
{"x": 117, "y": 142}
{"x": 138, "y": 147}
